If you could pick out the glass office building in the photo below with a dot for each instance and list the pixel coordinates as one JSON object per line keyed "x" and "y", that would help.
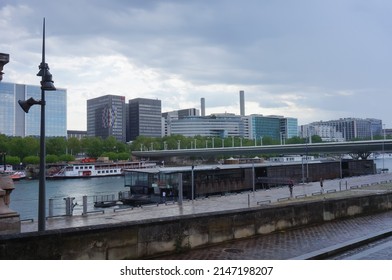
{"x": 276, "y": 127}
{"x": 15, "y": 122}
{"x": 144, "y": 118}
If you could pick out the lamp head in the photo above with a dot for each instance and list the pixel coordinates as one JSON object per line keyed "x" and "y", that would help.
{"x": 47, "y": 81}
{"x": 26, "y": 104}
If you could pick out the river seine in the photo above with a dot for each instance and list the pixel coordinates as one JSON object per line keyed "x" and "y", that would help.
{"x": 24, "y": 199}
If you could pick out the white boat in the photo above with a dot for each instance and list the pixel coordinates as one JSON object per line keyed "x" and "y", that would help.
{"x": 15, "y": 175}
{"x": 87, "y": 170}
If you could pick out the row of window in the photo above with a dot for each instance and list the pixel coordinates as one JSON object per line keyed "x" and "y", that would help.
{"x": 107, "y": 171}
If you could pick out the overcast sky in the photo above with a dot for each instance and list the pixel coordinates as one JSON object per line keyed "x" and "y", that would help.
{"x": 309, "y": 59}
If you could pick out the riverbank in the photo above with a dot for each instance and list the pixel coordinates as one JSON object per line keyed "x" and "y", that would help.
{"x": 172, "y": 227}
{"x": 354, "y": 186}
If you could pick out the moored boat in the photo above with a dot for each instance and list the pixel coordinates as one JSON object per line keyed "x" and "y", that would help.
{"x": 97, "y": 169}
{"x": 18, "y": 175}
{"x": 15, "y": 175}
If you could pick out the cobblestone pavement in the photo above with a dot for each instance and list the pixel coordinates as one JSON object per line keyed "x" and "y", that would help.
{"x": 290, "y": 244}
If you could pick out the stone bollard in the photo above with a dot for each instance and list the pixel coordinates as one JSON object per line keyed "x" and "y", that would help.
{"x": 9, "y": 219}
{"x": 7, "y": 184}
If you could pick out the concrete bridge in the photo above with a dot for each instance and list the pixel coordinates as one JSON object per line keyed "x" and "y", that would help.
{"x": 359, "y": 149}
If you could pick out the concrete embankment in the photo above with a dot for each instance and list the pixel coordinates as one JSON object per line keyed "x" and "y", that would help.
{"x": 147, "y": 238}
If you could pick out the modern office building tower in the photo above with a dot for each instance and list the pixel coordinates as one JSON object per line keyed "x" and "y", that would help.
{"x": 106, "y": 117}
{"x": 242, "y": 103}
{"x": 15, "y": 122}
{"x": 266, "y": 126}
{"x": 277, "y": 127}
{"x": 289, "y": 127}
{"x": 144, "y": 118}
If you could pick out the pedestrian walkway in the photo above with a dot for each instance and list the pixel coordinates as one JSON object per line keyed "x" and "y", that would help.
{"x": 300, "y": 243}
{"x": 331, "y": 188}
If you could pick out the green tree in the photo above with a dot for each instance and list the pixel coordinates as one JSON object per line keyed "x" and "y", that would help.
{"x": 13, "y": 160}
{"x": 31, "y": 160}
{"x": 56, "y": 146}
{"x": 316, "y": 139}
{"x": 23, "y": 147}
{"x": 66, "y": 158}
{"x": 92, "y": 146}
{"x": 74, "y": 146}
{"x": 110, "y": 155}
{"x": 4, "y": 143}
{"x": 110, "y": 144}
{"x": 123, "y": 156}
{"x": 295, "y": 140}
{"x": 52, "y": 159}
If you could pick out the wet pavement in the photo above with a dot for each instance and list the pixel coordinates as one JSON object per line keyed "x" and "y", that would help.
{"x": 301, "y": 243}
{"x": 296, "y": 243}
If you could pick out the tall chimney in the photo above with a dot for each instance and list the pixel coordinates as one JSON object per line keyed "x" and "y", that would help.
{"x": 203, "y": 107}
{"x": 242, "y": 103}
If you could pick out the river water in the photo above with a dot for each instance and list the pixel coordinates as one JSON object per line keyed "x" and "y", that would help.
{"x": 24, "y": 199}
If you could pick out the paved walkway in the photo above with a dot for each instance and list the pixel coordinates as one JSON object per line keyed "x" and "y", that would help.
{"x": 342, "y": 187}
{"x": 301, "y": 243}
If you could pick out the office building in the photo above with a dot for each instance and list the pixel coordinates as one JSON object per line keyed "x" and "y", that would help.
{"x": 106, "y": 116}
{"x": 168, "y": 117}
{"x": 15, "y": 122}
{"x": 327, "y": 133}
{"x": 354, "y": 128}
{"x": 289, "y": 127}
{"x": 217, "y": 125}
{"x": 78, "y": 134}
{"x": 144, "y": 118}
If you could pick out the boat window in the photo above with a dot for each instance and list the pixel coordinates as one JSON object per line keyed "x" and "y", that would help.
{"x": 76, "y": 167}
{"x": 90, "y": 167}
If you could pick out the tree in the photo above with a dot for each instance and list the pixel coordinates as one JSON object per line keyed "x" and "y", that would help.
{"x": 66, "y": 158}
{"x": 13, "y": 160}
{"x": 23, "y": 147}
{"x": 295, "y": 140}
{"x": 316, "y": 139}
{"x": 110, "y": 144}
{"x": 31, "y": 160}
{"x": 92, "y": 146}
{"x": 56, "y": 146}
{"x": 74, "y": 146}
{"x": 51, "y": 158}
{"x": 4, "y": 143}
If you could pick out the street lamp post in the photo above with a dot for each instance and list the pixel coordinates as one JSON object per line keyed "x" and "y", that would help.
{"x": 46, "y": 84}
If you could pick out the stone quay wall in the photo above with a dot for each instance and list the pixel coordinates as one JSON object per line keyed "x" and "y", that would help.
{"x": 147, "y": 238}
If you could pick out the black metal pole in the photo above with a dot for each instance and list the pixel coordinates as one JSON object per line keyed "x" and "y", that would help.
{"x": 42, "y": 163}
